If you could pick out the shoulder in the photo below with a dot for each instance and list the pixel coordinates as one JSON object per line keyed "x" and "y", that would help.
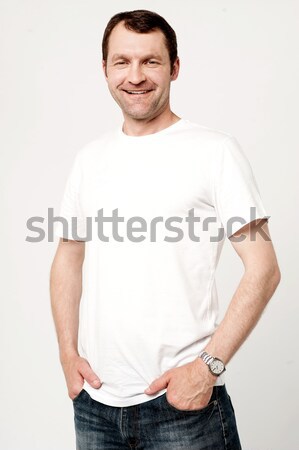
{"x": 209, "y": 134}
{"x": 96, "y": 144}
{"x": 213, "y": 143}
{"x": 94, "y": 148}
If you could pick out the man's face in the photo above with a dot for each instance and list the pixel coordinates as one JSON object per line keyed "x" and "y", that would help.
{"x": 137, "y": 71}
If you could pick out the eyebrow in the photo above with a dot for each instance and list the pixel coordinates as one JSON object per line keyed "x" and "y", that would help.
{"x": 122, "y": 56}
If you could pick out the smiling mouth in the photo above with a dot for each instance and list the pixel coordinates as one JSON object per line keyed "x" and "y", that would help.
{"x": 138, "y": 92}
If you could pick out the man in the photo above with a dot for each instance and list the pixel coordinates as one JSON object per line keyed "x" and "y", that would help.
{"x": 147, "y": 371}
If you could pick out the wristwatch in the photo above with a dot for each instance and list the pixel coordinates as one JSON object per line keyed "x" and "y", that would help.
{"x": 215, "y": 365}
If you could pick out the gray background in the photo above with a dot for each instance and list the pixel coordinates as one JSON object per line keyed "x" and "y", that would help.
{"x": 239, "y": 74}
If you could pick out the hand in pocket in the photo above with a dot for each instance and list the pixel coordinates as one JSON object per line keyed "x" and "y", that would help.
{"x": 76, "y": 370}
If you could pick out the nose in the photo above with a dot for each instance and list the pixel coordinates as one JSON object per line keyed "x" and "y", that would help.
{"x": 136, "y": 74}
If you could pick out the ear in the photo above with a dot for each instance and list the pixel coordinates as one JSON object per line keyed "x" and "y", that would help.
{"x": 104, "y": 67}
{"x": 175, "y": 69}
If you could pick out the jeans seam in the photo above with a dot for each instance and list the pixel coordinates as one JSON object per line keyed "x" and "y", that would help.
{"x": 223, "y": 424}
{"x": 121, "y": 420}
{"x": 136, "y": 425}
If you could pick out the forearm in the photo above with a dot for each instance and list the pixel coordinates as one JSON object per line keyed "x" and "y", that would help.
{"x": 65, "y": 292}
{"x": 248, "y": 302}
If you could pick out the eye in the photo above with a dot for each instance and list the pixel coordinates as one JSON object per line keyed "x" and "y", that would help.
{"x": 152, "y": 62}
{"x": 120, "y": 63}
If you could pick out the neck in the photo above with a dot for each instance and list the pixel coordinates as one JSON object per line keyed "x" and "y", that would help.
{"x": 133, "y": 127}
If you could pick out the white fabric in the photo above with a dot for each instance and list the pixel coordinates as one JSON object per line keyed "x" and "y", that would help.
{"x": 151, "y": 306}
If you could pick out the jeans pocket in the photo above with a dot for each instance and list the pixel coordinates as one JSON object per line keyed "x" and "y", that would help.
{"x": 231, "y": 404}
{"x": 78, "y": 396}
{"x": 208, "y": 409}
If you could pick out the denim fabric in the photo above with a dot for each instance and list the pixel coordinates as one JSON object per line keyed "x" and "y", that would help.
{"x": 156, "y": 425}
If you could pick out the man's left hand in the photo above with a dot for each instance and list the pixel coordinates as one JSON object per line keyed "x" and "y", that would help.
{"x": 188, "y": 387}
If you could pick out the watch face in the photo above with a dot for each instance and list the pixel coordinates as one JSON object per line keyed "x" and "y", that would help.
{"x": 217, "y": 366}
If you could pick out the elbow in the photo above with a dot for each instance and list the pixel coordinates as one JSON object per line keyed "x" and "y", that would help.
{"x": 276, "y": 275}
{"x": 272, "y": 278}
{"x": 266, "y": 277}
{"x": 273, "y": 271}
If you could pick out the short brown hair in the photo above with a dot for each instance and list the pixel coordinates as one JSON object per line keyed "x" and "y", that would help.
{"x": 142, "y": 21}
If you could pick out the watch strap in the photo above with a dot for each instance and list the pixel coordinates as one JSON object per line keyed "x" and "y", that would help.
{"x": 208, "y": 359}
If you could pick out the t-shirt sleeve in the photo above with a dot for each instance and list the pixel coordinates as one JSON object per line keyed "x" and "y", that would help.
{"x": 236, "y": 194}
{"x": 71, "y": 223}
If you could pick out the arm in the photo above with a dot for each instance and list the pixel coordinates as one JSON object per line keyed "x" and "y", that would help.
{"x": 190, "y": 386}
{"x": 65, "y": 292}
{"x": 258, "y": 283}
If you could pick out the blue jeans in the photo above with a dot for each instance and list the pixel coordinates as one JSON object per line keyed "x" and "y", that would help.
{"x": 156, "y": 425}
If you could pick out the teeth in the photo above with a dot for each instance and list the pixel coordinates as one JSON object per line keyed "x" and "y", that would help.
{"x": 137, "y": 92}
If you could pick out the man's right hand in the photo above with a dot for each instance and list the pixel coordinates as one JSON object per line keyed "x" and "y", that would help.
{"x": 77, "y": 369}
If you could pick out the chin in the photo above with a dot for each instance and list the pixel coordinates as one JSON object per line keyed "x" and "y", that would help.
{"x": 138, "y": 114}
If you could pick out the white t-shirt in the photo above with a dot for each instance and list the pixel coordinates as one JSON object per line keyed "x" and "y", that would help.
{"x": 150, "y": 304}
